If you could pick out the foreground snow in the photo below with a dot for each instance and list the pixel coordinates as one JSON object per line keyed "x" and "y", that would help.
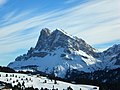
{"x": 38, "y": 82}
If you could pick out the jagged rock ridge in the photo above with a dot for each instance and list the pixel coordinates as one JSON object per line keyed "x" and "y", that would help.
{"x": 58, "y": 38}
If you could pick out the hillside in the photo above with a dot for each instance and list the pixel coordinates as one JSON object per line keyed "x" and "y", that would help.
{"x": 40, "y": 82}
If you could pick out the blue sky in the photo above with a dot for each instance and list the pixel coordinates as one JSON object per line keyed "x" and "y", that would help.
{"x": 95, "y": 21}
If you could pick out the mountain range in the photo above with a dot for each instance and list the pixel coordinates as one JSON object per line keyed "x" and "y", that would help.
{"x": 57, "y": 52}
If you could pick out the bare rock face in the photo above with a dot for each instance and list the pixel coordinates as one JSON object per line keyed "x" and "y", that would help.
{"x": 58, "y": 38}
{"x": 42, "y": 38}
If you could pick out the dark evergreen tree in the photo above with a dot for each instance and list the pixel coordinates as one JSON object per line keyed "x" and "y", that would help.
{"x": 55, "y": 81}
{"x": 6, "y": 75}
{"x": 69, "y": 88}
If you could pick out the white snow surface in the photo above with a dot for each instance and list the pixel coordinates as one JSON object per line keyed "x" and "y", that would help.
{"x": 38, "y": 82}
{"x": 78, "y": 60}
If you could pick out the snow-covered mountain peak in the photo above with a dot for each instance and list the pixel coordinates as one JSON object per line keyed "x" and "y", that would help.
{"x": 57, "y": 51}
{"x": 115, "y": 49}
{"x": 45, "y": 32}
{"x": 61, "y": 31}
{"x": 60, "y": 39}
{"x": 112, "y": 55}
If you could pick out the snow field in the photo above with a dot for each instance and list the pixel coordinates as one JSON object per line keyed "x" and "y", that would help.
{"x": 38, "y": 82}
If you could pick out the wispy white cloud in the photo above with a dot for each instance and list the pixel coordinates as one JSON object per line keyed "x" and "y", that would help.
{"x": 2, "y": 2}
{"x": 98, "y": 19}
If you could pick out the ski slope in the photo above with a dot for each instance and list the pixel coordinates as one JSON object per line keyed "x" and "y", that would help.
{"x": 39, "y": 82}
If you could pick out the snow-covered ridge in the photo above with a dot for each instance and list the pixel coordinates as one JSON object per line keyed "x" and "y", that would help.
{"x": 50, "y": 40}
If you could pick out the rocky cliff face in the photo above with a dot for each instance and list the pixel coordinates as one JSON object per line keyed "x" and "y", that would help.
{"x": 60, "y": 39}
{"x": 57, "y": 51}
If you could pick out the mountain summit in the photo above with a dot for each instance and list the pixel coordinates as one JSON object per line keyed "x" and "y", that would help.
{"x": 60, "y": 39}
{"x": 58, "y": 52}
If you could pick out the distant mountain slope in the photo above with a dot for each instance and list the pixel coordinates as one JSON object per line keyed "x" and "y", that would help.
{"x": 57, "y": 52}
{"x": 111, "y": 57}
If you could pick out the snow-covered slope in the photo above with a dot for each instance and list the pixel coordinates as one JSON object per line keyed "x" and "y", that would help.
{"x": 57, "y": 52}
{"x": 40, "y": 82}
{"x": 111, "y": 57}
